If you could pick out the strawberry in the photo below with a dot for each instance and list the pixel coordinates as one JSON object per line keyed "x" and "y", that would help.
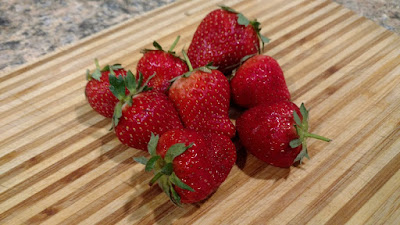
{"x": 259, "y": 80}
{"x": 202, "y": 97}
{"x": 97, "y": 90}
{"x": 276, "y": 133}
{"x": 165, "y": 64}
{"x": 224, "y": 37}
{"x": 140, "y": 112}
{"x": 185, "y": 165}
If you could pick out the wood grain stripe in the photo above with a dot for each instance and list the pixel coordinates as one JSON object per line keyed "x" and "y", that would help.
{"x": 344, "y": 214}
{"x": 345, "y": 180}
{"x": 80, "y": 193}
{"x": 147, "y": 195}
{"x": 45, "y": 154}
{"x": 337, "y": 66}
{"x": 55, "y": 167}
{"x": 64, "y": 180}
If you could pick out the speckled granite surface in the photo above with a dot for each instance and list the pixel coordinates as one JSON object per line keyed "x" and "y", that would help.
{"x": 33, "y": 28}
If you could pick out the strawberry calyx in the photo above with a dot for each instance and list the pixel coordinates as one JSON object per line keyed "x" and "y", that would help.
{"x": 207, "y": 68}
{"x": 97, "y": 72}
{"x": 118, "y": 86}
{"x": 302, "y": 131}
{"x": 242, "y": 20}
{"x": 164, "y": 174}
{"x": 157, "y": 46}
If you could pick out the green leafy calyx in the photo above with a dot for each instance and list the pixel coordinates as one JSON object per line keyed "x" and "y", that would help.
{"x": 118, "y": 86}
{"x": 302, "y": 130}
{"x": 163, "y": 169}
{"x": 157, "y": 46}
{"x": 97, "y": 72}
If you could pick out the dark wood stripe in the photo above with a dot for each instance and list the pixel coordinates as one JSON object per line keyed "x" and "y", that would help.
{"x": 389, "y": 209}
{"x": 70, "y": 199}
{"x": 324, "y": 57}
{"x": 41, "y": 96}
{"x": 159, "y": 213}
{"x": 51, "y": 119}
{"x": 22, "y": 106}
{"x": 370, "y": 81}
{"x": 368, "y": 190}
{"x": 146, "y": 196}
{"x": 364, "y": 67}
{"x": 329, "y": 26}
{"x": 297, "y": 30}
{"x": 56, "y": 186}
{"x": 132, "y": 205}
{"x": 339, "y": 65}
{"x": 48, "y": 152}
{"x": 56, "y": 166}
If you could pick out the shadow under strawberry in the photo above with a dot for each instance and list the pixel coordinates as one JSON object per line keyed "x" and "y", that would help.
{"x": 256, "y": 168}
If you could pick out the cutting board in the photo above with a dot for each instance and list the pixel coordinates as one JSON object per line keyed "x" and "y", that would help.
{"x": 60, "y": 164}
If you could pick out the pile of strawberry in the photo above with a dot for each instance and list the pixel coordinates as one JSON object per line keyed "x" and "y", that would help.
{"x": 177, "y": 109}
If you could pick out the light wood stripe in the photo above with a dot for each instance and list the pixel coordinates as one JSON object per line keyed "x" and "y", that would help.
{"x": 60, "y": 165}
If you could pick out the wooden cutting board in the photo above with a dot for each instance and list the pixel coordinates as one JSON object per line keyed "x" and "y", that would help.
{"x": 59, "y": 164}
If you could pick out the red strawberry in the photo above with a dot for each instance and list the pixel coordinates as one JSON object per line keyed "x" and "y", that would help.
{"x": 276, "y": 133}
{"x": 224, "y": 37}
{"x": 166, "y": 65}
{"x": 202, "y": 97}
{"x": 141, "y": 112}
{"x": 259, "y": 80}
{"x": 184, "y": 164}
{"x": 97, "y": 89}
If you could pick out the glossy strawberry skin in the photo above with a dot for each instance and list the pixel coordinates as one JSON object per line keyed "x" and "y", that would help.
{"x": 99, "y": 95}
{"x": 193, "y": 167}
{"x": 151, "y": 111}
{"x": 202, "y": 101}
{"x": 266, "y": 131}
{"x": 221, "y": 40}
{"x": 222, "y": 152}
{"x": 259, "y": 80}
{"x": 165, "y": 65}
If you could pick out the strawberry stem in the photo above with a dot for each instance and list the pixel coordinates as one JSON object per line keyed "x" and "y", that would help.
{"x": 187, "y": 60}
{"x": 316, "y": 136}
{"x": 174, "y": 44}
{"x": 96, "y": 62}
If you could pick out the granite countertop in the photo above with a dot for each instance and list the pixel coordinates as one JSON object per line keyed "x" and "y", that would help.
{"x": 30, "y": 29}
